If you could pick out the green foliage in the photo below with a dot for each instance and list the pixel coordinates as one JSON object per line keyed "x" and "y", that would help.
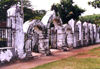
{"x": 66, "y": 10}
{"x": 95, "y": 3}
{"x": 6, "y": 4}
{"x": 28, "y": 14}
{"x": 36, "y": 14}
{"x": 91, "y": 18}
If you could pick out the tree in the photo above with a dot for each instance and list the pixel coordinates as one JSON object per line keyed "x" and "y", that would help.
{"x": 38, "y": 14}
{"x": 30, "y": 14}
{"x": 66, "y": 10}
{"x": 95, "y": 18}
{"x": 6, "y": 4}
{"x": 95, "y": 3}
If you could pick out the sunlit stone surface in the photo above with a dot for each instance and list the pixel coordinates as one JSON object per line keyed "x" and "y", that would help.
{"x": 79, "y": 25}
{"x": 48, "y": 17}
{"x": 6, "y": 54}
{"x": 98, "y": 34}
{"x": 90, "y": 33}
{"x": 61, "y": 34}
{"x": 15, "y": 21}
{"x": 37, "y": 35}
{"x": 73, "y": 25}
{"x": 43, "y": 40}
{"x": 94, "y": 33}
{"x": 86, "y": 33}
{"x": 69, "y": 35}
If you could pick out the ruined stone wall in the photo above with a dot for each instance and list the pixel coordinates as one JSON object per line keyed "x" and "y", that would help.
{"x": 15, "y": 35}
{"x": 40, "y": 34}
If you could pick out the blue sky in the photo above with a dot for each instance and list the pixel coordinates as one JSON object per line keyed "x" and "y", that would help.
{"x": 46, "y": 5}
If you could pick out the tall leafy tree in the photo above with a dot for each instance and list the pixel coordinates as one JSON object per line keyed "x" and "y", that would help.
{"x": 66, "y": 10}
{"x": 6, "y": 4}
{"x": 95, "y": 3}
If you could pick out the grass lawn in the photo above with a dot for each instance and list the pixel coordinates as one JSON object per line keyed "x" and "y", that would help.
{"x": 75, "y": 62}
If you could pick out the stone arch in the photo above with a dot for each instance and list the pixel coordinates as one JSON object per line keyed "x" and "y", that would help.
{"x": 47, "y": 19}
{"x": 32, "y": 35}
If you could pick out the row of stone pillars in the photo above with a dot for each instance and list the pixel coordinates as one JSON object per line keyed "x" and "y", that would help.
{"x": 39, "y": 33}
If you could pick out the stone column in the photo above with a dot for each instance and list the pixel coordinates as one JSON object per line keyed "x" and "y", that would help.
{"x": 72, "y": 24}
{"x": 91, "y": 32}
{"x": 86, "y": 32}
{"x": 19, "y": 38}
{"x": 61, "y": 35}
{"x": 79, "y": 24}
{"x": 98, "y": 34}
{"x": 43, "y": 40}
{"x": 69, "y": 36}
{"x": 94, "y": 33}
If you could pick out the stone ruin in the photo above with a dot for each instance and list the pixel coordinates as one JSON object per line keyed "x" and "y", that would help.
{"x": 39, "y": 36}
{"x": 75, "y": 32}
{"x": 80, "y": 33}
{"x": 85, "y": 33}
{"x": 98, "y": 34}
{"x": 69, "y": 35}
{"x": 16, "y": 34}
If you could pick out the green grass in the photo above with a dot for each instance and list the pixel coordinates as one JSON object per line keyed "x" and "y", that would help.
{"x": 75, "y": 63}
{"x": 95, "y": 52}
{"x": 92, "y": 52}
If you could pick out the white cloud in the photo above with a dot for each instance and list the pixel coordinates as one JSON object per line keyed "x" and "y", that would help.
{"x": 43, "y": 4}
{"x": 89, "y": 9}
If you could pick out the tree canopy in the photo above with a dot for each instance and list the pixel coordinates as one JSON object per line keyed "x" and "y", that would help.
{"x": 6, "y": 4}
{"x": 95, "y": 3}
{"x": 66, "y": 10}
{"x": 91, "y": 18}
{"x": 30, "y": 14}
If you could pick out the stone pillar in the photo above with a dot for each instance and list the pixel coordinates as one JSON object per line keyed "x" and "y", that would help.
{"x": 15, "y": 32}
{"x": 98, "y": 34}
{"x": 61, "y": 35}
{"x": 43, "y": 40}
{"x": 86, "y": 33}
{"x": 53, "y": 38}
{"x": 91, "y": 32}
{"x": 11, "y": 25}
{"x": 19, "y": 39}
{"x": 79, "y": 24}
{"x": 69, "y": 36}
{"x": 73, "y": 26}
{"x": 94, "y": 33}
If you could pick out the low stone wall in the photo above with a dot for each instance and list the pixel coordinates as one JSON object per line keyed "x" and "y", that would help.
{"x": 6, "y": 54}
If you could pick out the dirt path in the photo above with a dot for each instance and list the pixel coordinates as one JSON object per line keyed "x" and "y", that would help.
{"x": 57, "y": 55}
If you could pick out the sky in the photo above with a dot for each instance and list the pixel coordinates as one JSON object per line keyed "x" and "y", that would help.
{"x": 46, "y": 5}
